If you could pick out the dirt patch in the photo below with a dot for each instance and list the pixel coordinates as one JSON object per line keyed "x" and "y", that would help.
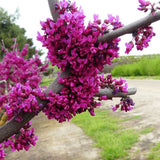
{"x": 58, "y": 141}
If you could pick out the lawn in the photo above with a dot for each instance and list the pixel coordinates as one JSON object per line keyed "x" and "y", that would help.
{"x": 143, "y": 66}
{"x": 112, "y": 137}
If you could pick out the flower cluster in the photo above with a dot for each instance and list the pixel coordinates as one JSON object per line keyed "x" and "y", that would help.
{"x": 71, "y": 44}
{"x": 23, "y": 99}
{"x": 23, "y": 78}
{"x": 2, "y": 154}
{"x": 147, "y": 5}
{"x": 16, "y": 69}
{"x": 114, "y": 84}
{"x": 23, "y": 140}
{"x": 141, "y": 38}
{"x": 143, "y": 35}
{"x": 144, "y": 5}
{"x": 75, "y": 97}
{"x": 126, "y": 104}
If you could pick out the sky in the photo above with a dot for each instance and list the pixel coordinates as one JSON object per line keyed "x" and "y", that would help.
{"x": 33, "y": 11}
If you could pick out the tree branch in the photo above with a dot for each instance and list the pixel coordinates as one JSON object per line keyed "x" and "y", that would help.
{"x": 131, "y": 28}
{"x": 109, "y": 93}
{"x": 56, "y": 87}
{"x": 54, "y": 13}
{"x": 12, "y": 127}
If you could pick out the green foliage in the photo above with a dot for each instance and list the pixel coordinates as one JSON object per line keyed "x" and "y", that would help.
{"x": 145, "y": 66}
{"x": 9, "y": 30}
{"x": 48, "y": 72}
{"x": 47, "y": 81}
{"x": 127, "y": 58}
{"x": 143, "y": 77}
{"x": 110, "y": 136}
{"x": 51, "y": 69}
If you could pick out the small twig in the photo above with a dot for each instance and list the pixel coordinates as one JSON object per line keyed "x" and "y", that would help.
{"x": 14, "y": 46}
{"x": 3, "y": 45}
{"x": 130, "y": 28}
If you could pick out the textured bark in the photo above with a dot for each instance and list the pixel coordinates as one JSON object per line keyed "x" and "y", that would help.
{"x": 54, "y": 14}
{"x": 109, "y": 93}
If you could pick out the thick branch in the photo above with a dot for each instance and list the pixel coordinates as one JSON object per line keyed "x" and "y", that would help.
{"x": 55, "y": 86}
{"x": 109, "y": 93}
{"x": 130, "y": 28}
{"x": 54, "y": 14}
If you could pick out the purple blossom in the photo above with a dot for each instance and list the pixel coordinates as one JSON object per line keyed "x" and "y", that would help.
{"x": 147, "y": 5}
{"x": 2, "y": 153}
{"x": 23, "y": 140}
{"x": 143, "y": 37}
{"x": 114, "y": 84}
{"x": 126, "y": 104}
{"x": 144, "y": 3}
{"x": 129, "y": 47}
{"x": 23, "y": 98}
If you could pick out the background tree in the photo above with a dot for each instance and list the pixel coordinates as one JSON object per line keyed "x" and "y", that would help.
{"x": 9, "y": 30}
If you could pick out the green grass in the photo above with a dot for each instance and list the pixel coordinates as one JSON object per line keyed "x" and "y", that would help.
{"x": 109, "y": 134}
{"x": 135, "y": 58}
{"x": 147, "y": 130}
{"x": 155, "y": 153}
{"x": 139, "y": 77}
{"x": 131, "y": 118}
{"x": 144, "y": 77}
{"x": 46, "y": 81}
{"x": 145, "y": 66}
{"x": 56, "y": 69}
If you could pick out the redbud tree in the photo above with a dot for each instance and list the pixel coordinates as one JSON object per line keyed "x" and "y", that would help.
{"x": 80, "y": 52}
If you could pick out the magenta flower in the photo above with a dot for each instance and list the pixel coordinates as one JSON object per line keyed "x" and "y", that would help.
{"x": 144, "y": 3}
{"x": 2, "y": 153}
{"x": 129, "y": 47}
